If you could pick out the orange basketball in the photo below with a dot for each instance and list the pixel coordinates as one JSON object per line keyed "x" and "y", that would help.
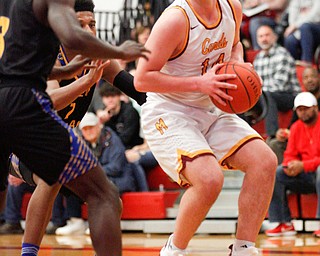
{"x": 248, "y": 87}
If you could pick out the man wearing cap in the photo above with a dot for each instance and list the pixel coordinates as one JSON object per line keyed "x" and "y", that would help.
{"x": 311, "y": 82}
{"x": 300, "y": 169}
{"x": 110, "y": 151}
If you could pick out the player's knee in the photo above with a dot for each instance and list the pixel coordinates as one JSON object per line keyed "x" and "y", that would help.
{"x": 212, "y": 185}
{"x": 268, "y": 166}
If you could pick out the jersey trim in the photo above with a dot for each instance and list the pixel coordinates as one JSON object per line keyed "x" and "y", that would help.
{"x": 186, "y": 39}
{"x": 205, "y": 24}
{"x": 235, "y": 148}
{"x": 184, "y": 157}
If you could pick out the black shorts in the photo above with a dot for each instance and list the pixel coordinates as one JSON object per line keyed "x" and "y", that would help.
{"x": 33, "y": 131}
{"x": 20, "y": 170}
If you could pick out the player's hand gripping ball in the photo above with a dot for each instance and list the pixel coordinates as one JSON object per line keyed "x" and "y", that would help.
{"x": 249, "y": 87}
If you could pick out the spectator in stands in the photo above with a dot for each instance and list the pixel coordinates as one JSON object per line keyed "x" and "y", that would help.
{"x": 300, "y": 169}
{"x": 141, "y": 34}
{"x": 155, "y": 7}
{"x": 12, "y": 213}
{"x": 110, "y": 152}
{"x": 142, "y": 155}
{"x": 12, "y": 216}
{"x": 302, "y": 36}
{"x": 270, "y": 16}
{"x": 277, "y": 69}
{"x": 311, "y": 82}
{"x": 121, "y": 117}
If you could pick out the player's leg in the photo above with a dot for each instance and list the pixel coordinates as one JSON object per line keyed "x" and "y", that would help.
{"x": 55, "y": 153}
{"x": 39, "y": 211}
{"x": 41, "y": 202}
{"x": 103, "y": 210}
{"x": 205, "y": 175}
{"x": 258, "y": 163}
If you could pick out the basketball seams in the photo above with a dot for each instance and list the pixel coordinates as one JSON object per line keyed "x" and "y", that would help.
{"x": 240, "y": 79}
{"x": 226, "y": 90}
{"x": 244, "y": 97}
{"x": 252, "y": 71}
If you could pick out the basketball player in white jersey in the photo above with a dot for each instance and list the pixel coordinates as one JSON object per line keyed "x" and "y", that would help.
{"x": 190, "y": 137}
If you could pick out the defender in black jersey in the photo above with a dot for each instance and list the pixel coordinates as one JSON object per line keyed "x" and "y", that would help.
{"x": 30, "y": 127}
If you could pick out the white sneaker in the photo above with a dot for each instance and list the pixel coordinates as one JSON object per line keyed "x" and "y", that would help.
{"x": 168, "y": 251}
{"x": 244, "y": 251}
{"x": 75, "y": 226}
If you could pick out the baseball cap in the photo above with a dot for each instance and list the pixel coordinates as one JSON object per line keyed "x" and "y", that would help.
{"x": 306, "y": 99}
{"x": 89, "y": 119}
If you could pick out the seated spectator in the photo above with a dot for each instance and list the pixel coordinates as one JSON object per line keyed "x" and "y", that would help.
{"x": 142, "y": 155}
{"x": 271, "y": 17}
{"x": 12, "y": 213}
{"x": 277, "y": 69}
{"x": 121, "y": 117}
{"x": 110, "y": 152}
{"x": 17, "y": 188}
{"x": 302, "y": 36}
{"x": 311, "y": 82}
{"x": 300, "y": 169}
{"x": 141, "y": 34}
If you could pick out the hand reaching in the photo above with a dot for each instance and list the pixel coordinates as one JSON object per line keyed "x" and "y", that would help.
{"x": 133, "y": 50}
{"x": 74, "y": 67}
{"x": 77, "y": 65}
{"x": 96, "y": 70}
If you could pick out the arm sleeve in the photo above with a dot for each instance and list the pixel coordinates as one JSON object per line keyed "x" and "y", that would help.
{"x": 124, "y": 82}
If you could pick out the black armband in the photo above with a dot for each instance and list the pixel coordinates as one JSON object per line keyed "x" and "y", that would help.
{"x": 124, "y": 82}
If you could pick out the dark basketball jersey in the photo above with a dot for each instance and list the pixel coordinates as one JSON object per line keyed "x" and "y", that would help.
{"x": 73, "y": 113}
{"x": 28, "y": 49}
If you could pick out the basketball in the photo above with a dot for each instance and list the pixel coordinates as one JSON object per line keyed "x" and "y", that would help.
{"x": 248, "y": 87}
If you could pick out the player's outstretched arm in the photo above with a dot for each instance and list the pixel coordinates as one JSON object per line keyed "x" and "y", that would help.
{"x": 123, "y": 80}
{"x": 61, "y": 17}
{"x": 74, "y": 67}
{"x": 63, "y": 96}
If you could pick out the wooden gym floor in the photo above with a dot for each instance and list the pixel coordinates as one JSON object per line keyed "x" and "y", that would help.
{"x": 139, "y": 244}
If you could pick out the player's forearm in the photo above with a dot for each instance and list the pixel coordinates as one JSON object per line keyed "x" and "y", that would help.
{"x": 156, "y": 81}
{"x": 57, "y": 73}
{"x": 65, "y": 95}
{"x": 84, "y": 43}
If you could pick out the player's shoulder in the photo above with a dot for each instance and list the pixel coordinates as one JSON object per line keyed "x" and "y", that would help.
{"x": 236, "y": 8}
{"x": 174, "y": 15}
{"x": 236, "y": 3}
{"x": 177, "y": 11}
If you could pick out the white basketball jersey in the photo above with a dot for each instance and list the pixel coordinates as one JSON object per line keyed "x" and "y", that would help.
{"x": 206, "y": 45}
